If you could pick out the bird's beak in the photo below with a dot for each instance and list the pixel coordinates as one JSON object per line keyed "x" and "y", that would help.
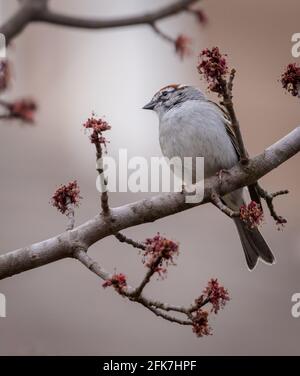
{"x": 149, "y": 106}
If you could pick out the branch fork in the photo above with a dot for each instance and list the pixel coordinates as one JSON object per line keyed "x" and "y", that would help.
{"x": 217, "y": 201}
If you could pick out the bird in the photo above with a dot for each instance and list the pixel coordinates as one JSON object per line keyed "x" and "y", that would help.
{"x": 191, "y": 125}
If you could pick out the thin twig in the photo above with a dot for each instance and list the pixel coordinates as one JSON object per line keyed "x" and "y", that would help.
{"x": 168, "y": 317}
{"x": 144, "y": 282}
{"x": 153, "y": 268}
{"x": 81, "y": 255}
{"x": 71, "y": 217}
{"x": 268, "y": 197}
{"x": 169, "y": 307}
{"x": 124, "y": 239}
{"x": 91, "y": 264}
{"x": 103, "y": 180}
{"x": 216, "y": 200}
{"x": 162, "y": 34}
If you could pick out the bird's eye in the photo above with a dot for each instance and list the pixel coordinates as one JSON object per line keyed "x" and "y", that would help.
{"x": 164, "y": 93}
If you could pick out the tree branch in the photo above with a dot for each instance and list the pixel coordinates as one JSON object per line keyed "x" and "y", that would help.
{"x": 269, "y": 197}
{"x": 147, "y": 210}
{"x": 29, "y": 11}
{"x": 155, "y": 307}
{"x": 216, "y": 200}
{"x": 161, "y": 33}
{"x": 125, "y": 239}
{"x": 88, "y": 262}
{"x": 167, "y": 317}
{"x": 37, "y": 11}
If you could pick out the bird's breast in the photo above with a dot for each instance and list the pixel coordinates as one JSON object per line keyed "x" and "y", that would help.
{"x": 197, "y": 129}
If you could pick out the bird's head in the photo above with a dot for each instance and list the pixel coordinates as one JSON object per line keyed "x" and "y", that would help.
{"x": 173, "y": 95}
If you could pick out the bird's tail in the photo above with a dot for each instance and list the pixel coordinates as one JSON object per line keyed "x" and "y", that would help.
{"x": 253, "y": 244}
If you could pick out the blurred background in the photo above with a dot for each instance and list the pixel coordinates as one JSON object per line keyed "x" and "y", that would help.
{"x": 62, "y": 309}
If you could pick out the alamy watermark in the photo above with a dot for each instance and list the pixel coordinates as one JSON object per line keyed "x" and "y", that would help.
{"x": 2, "y": 305}
{"x": 295, "y": 311}
{"x": 159, "y": 174}
{"x": 296, "y": 45}
{"x": 2, "y": 46}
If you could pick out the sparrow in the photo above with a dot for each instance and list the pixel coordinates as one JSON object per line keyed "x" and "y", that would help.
{"x": 191, "y": 125}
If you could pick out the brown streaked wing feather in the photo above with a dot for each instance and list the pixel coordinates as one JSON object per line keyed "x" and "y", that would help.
{"x": 228, "y": 127}
{"x": 227, "y": 123}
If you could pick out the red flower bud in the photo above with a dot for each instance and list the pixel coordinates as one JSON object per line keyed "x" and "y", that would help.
{"x": 23, "y": 109}
{"x": 252, "y": 214}
{"x": 65, "y": 196}
{"x": 160, "y": 253}
{"x": 118, "y": 281}
{"x": 182, "y": 46}
{"x": 217, "y": 295}
{"x": 97, "y": 126}
{"x": 200, "y": 323}
{"x": 290, "y": 79}
{"x": 213, "y": 66}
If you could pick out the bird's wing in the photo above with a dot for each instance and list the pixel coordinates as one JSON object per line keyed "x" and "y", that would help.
{"x": 228, "y": 126}
{"x": 229, "y": 129}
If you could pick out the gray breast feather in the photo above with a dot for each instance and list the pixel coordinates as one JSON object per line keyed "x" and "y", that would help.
{"x": 196, "y": 129}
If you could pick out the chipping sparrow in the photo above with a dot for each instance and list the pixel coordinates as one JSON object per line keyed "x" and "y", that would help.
{"x": 190, "y": 125}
